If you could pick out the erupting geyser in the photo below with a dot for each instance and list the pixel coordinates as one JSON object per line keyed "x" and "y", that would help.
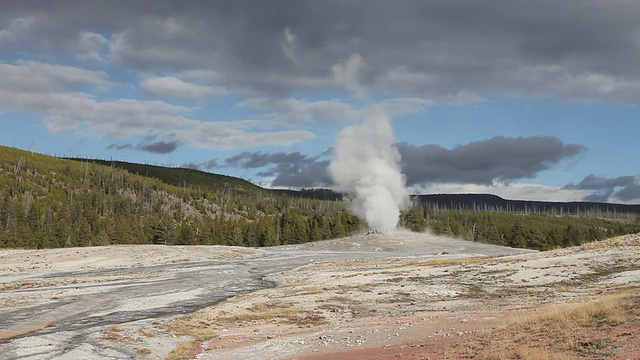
{"x": 367, "y": 166}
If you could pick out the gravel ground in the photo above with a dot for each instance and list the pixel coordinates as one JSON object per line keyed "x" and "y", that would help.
{"x": 377, "y": 296}
{"x": 404, "y": 307}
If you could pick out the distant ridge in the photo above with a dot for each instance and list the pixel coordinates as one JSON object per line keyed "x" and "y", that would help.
{"x": 175, "y": 176}
{"x": 494, "y": 202}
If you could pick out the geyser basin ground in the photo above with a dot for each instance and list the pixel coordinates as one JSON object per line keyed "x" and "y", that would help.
{"x": 142, "y": 301}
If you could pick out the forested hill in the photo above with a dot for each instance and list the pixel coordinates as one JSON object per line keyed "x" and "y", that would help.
{"x": 178, "y": 176}
{"x": 496, "y": 203}
{"x": 48, "y": 202}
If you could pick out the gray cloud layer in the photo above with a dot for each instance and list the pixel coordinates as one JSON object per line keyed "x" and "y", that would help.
{"x": 414, "y": 52}
{"x": 149, "y": 145}
{"x": 583, "y": 50}
{"x": 160, "y": 147}
{"x": 287, "y": 169}
{"x": 625, "y": 188}
{"x": 499, "y": 159}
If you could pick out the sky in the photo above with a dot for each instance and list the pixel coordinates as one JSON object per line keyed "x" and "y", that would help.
{"x": 533, "y": 100}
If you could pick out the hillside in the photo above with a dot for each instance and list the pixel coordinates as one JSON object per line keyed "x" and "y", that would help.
{"x": 178, "y": 176}
{"x": 53, "y": 202}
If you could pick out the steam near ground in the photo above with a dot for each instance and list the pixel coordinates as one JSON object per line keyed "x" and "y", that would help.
{"x": 367, "y": 166}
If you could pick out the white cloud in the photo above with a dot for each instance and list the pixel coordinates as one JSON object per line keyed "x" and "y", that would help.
{"x": 349, "y": 74}
{"x": 173, "y": 87}
{"x": 292, "y": 110}
{"x": 402, "y": 106}
{"x": 36, "y": 76}
{"x": 226, "y": 134}
{"x": 48, "y": 90}
{"x": 16, "y": 29}
{"x": 89, "y": 46}
{"x": 289, "y": 45}
{"x": 402, "y": 79}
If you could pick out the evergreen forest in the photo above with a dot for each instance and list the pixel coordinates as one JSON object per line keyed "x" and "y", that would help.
{"x": 532, "y": 230}
{"x": 51, "y": 202}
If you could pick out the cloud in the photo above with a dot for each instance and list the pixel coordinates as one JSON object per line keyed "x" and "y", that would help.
{"x": 120, "y": 146}
{"x": 208, "y": 165}
{"x": 285, "y": 169}
{"x": 35, "y": 31}
{"x": 289, "y": 45}
{"x": 501, "y": 159}
{"x": 593, "y": 182}
{"x": 53, "y": 92}
{"x": 90, "y": 46}
{"x": 631, "y": 192}
{"x": 603, "y": 189}
{"x": 159, "y": 147}
{"x": 149, "y": 145}
{"x": 290, "y": 110}
{"x": 258, "y": 159}
{"x": 487, "y": 162}
{"x": 295, "y": 111}
{"x": 349, "y": 74}
{"x": 42, "y": 77}
{"x": 583, "y": 50}
{"x": 172, "y": 87}
{"x": 15, "y": 29}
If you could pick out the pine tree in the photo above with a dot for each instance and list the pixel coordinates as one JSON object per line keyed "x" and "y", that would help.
{"x": 517, "y": 237}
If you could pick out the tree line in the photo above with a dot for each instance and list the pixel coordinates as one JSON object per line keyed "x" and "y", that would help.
{"x": 523, "y": 230}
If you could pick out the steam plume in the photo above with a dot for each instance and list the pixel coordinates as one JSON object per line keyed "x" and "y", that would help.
{"x": 367, "y": 166}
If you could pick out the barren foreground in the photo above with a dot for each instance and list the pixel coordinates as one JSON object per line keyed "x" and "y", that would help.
{"x": 399, "y": 295}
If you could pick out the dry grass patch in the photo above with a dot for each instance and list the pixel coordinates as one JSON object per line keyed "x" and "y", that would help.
{"x": 567, "y": 331}
{"x": 343, "y": 304}
{"x": 184, "y": 350}
{"x": 309, "y": 290}
{"x": 610, "y": 309}
{"x": 452, "y": 262}
{"x": 277, "y": 311}
{"x": 197, "y": 326}
{"x": 204, "y": 325}
{"x": 117, "y": 334}
{"x": 143, "y": 352}
{"x": 27, "y": 284}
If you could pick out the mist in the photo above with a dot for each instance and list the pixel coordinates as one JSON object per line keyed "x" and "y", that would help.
{"x": 366, "y": 165}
